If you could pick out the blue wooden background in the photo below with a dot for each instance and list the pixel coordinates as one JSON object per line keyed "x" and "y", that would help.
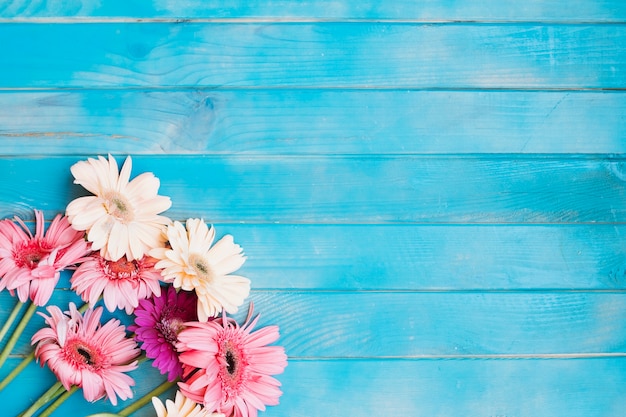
{"x": 431, "y": 194}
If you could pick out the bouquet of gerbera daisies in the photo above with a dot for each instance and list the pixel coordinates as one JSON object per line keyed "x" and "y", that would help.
{"x": 173, "y": 279}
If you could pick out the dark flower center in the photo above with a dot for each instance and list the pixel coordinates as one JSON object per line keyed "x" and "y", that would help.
{"x": 233, "y": 373}
{"x": 85, "y": 354}
{"x": 231, "y": 363}
{"x": 81, "y": 355}
{"x": 170, "y": 324}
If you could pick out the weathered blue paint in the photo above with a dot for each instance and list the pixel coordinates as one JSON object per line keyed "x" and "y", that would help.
{"x": 431, "y": 195}
{"x": 475, "y": 323}
{"x": 435, "y": 10}
{"x": 354, "y": 189}
{"x": 292, "y": 121}
{"x": 327, "y": 54}
{"x": 426, "y": 387}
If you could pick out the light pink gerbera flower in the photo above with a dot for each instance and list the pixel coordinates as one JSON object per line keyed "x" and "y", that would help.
{"x": 227, "y": 368}
{"x": 158, "y": 321}
{"x": 181, "y": 407}
{"x": 31, "y": 264}
{"x": 192, "y": 264}
{"x": 121, "y": 218}
{"x": 82, "y": 352}
{"x": 122, "y": 283}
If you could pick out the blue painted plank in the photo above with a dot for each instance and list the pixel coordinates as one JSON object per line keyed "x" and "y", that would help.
{"x": 435, "y": 325}
{"x": 291, "y": 121}
{"x": 376, "y": 259}
{"x": 327, "y": 388}
{"x": 355, "y": 190}
{"x": 579, "y": 388}
{"x": 445, "y": 324}
{"x": 430, "y": 258}
{"x": 364, "y": 55}
{"x": 576, "y": 10}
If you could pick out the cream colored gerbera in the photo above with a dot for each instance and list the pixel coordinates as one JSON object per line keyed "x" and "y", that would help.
{"x": 192, "y": 264}
{"x": 122, "y": 217}
{"x": 181, "y": 407}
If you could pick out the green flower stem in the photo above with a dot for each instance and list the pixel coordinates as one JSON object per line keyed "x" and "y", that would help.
{"x": 67, "y": 394}
{"x": 146, "y": 398}
{"x": 54, "y": 391}
{"x": 11, "y": 319}
{"x": 103, "y": 415}
{"x": 17, "y": 333}
{"x": 28, "y": 359}
{"x": 85, "y": 306}
{"x": 15, "y": 372}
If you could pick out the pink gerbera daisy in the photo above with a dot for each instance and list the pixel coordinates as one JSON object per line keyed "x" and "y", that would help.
{"x": 82, "y": 352}
{"x": 31, "y": 264}
{"x": 122, "y": 283}
{"x": 158, "y": 322}
{"x": 227, "y": 367}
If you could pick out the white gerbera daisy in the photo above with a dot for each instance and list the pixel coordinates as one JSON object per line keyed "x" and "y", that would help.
{"x": 192, "y": 264}
{"x": 181, "y": 407}
{"x": 121, "y": 218}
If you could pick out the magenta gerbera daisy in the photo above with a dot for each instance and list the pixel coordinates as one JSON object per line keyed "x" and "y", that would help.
{"x": 82, "y": 352}
{"x": 228, "y": 368}
{"x": 158, "y": 321}
{"x": 122, "y": 283}
{"x": 31, "y": 264}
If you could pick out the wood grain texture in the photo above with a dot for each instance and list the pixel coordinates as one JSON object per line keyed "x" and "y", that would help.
{"x": 431, "y": 195}
{"x": 455, "y": 388}
{"x": 510, "y": 10}
{"x": 362, "y": 324}
{"x": 550, "y": 388}
{"x": 300, "y": 122}
{"x": 430, "y": 258}
{"x": 319, "y": 189}
{"x": 363, "y": 55}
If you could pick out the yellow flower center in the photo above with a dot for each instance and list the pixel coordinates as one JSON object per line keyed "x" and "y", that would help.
{"x": 201, "y": 267}
{"x": 117, "y": 206}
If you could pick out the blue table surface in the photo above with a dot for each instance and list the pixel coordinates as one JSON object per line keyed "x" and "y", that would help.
{"x": 431, "y": 194}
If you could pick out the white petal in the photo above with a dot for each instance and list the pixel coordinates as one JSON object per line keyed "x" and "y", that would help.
{"x": 118, "y": 241}
{"x": 144, "y": 186}
{"x": 158, "y": 407}
{"x": 86, "y": 174}
{"x": 83, "y": 212}
{"x": 200, "y": 236}
{"x": 226, "y": 248}
{"x": 124, "y": 175}
{"x": 110, "y": 179}
{"x": 99, "y": 232}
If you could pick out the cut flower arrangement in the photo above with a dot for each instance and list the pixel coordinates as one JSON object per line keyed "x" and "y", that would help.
{"x": 174, "y": 280}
